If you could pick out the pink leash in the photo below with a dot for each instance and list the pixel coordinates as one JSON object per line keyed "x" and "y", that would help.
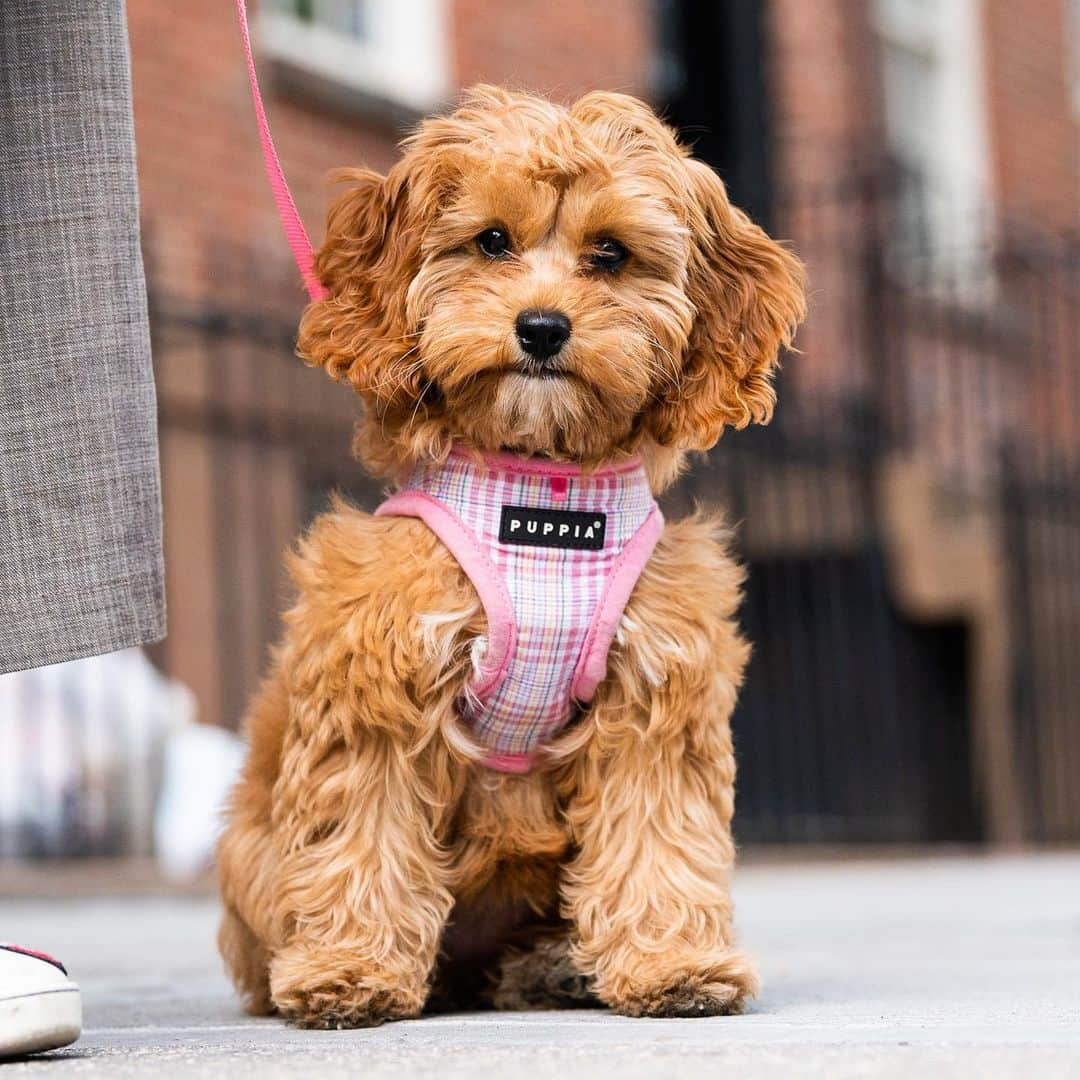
{"x": 295, "y": 232}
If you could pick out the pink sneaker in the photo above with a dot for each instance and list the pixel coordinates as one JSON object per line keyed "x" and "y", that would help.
{"x": 40, "y": 1007}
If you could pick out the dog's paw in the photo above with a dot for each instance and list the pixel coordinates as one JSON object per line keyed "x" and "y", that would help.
{"x": 333, "y": 1006}
{"x": 690, "y": 997}
{"x": 321, "y": 992}
{"x": 544, "y": 977}
{"x": 720, "y": 989}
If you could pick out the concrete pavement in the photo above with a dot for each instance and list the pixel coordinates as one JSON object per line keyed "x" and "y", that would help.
{"x": 959, "y": 966}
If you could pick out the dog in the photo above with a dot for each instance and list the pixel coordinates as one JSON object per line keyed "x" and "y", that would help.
{"x": 543, "y": 309}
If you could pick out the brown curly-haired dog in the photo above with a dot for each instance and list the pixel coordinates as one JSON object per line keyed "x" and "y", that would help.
{"x": 372, "y": 864}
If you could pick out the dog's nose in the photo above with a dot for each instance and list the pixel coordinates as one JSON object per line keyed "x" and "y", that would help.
{"x": 542, "y": 333}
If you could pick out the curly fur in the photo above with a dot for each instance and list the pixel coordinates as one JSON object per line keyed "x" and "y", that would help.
{"x": 368, "y": 856}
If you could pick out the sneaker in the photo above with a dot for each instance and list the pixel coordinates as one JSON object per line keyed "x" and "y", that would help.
{"x": 40, "y": 1007}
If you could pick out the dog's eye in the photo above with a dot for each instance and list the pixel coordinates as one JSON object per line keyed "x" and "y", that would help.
{"x": 608, "y": 254}
{"x": 494, "y": 243}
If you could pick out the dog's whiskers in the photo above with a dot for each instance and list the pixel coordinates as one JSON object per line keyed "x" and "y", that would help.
{"x": 399, "y": 376}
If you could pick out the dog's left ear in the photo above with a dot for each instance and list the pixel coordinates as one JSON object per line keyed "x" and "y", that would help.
{"x": 748, "y": 294}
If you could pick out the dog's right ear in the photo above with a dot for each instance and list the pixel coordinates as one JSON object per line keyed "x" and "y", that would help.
{"x": 371, "y": 252}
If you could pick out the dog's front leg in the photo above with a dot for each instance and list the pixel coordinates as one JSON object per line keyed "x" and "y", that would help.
{"x": 361, "y": 898}
{"x": 648, "y": 890}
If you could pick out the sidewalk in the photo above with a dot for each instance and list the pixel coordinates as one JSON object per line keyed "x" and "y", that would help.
{"x": 953, "y": 967}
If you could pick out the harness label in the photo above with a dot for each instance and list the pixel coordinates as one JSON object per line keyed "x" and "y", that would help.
{"x": 539, "y": 527}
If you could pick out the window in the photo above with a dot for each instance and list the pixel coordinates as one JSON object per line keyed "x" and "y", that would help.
{"x": 935, "y": 125}
{"x": 390, "y": 53}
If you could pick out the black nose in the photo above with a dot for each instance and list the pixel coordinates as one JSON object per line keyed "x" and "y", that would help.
{"x": 542, "y": 333}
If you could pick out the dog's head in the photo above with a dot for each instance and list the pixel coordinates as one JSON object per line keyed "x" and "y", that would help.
{"x": 553, "y": 281}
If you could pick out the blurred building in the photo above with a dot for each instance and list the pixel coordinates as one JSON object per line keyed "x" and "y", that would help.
{"x": 911, "y": 518}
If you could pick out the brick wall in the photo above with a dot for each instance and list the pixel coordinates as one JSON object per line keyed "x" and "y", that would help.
{"x": 825, "y": 114}
{"x": 561, "y": 47}
{"x": 1035, "y": 126}
{"x": 824, "y": 83}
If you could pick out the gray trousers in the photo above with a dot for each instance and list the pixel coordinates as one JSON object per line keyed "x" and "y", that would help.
{"x": 80, "y": 517}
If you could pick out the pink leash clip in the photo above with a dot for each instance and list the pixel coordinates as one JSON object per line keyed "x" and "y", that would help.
{"x": 295, "y": 232}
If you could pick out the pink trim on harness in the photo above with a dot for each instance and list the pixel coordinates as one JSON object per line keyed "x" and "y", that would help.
{"x": 456, "y": 535}
{"x": 554, "y": 552}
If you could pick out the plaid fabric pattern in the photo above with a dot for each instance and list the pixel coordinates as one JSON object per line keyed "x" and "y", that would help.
{"x": 555, "y": 592}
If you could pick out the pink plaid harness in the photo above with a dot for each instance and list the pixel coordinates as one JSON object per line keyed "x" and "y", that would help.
{"x": 554, "y": 554}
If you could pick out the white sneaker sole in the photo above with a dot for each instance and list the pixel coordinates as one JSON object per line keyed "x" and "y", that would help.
{"x": 32, "y": 1023}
